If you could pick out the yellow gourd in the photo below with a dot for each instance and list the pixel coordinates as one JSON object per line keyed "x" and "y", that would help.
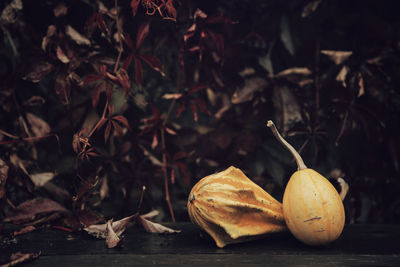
{"x": 232, "y": 209}
{"x": 312, "y": 208}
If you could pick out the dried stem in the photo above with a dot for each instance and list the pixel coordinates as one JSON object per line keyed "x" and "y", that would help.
{"x": 296, "y": 155}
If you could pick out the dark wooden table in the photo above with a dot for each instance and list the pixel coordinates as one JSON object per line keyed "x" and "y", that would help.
{"x": 359, "y": 245}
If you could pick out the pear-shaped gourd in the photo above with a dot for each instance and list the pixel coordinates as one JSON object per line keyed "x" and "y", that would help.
{"x": 312, "y": 207}
{"x": 232, "y": 209}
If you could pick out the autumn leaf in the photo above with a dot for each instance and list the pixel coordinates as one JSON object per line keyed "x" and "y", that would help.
{"x": 338, "y": 57}
{"x": 112, "y": 239}
{"x": 38, "y": 125}
{"x": 155, "y": 228}
{"x": 18, "y": 258}
{"x": 40, "y": 179}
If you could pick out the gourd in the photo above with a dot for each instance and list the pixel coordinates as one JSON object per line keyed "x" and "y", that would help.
{"x": 312, "y": 208}
{"x": 232, "y": 209}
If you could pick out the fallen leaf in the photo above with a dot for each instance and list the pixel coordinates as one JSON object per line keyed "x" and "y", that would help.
{"x": 3, "y": 177}
{"x": 100, "y": 230}
{"x": 151, "y": 215}
{"x": 18, "y": 258}
{"x": 310, "y": 8}
{"x": 76, "y": 36}
{"x": 39, "y": 126}
{"x": 337, "y": 57}
{"x": 112, "y": 239}
{"x": 287, "y": 109}
{"x": 341, "y": 77}
{"x": 153, "y": 227}
{"x": 40, "y": 179}
{"x": 25, "y": 230}
{"x": 246, "y": 93}
{"x": 9, "y": 13}
{"x": 29, "y": 210}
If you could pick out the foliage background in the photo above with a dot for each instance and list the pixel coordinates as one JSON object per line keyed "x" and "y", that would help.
{"x": 243, "y": 62}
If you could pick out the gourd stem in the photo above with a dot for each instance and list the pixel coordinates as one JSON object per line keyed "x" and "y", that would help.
{"x": 296, "y": 155}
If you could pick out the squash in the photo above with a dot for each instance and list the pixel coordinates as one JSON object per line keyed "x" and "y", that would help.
{"x": 232, "y": 209}
{"x": 312, "y": 208}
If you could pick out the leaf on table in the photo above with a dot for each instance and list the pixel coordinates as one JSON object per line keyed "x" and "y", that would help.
{"x": 40, "y": 179}
{"x": 25, "y": 230}
{"x": 3, "y": 177}
{"x": 287, "y": 109}
{"x": 338, "y": 57}
{"x": 153, "y": 227}
{"x": 76, "y": 36}
{"x": 39, "y": 126}
{"x": 29, "y": 210}
{"x": 341, "y": 77}
{"x": 112, "y": 239}
{"x": 100, "y": 230}
{"x": 246, "y": 93}
{"x": 9, "y": 13}
{"x": 18, "y": 258}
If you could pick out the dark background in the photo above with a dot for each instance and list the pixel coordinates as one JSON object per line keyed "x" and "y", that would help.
{"x": 344, "y": 127}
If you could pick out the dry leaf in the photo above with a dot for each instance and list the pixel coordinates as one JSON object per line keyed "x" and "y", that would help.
{"x": 246, "y": 93}
{"x": 51, "y": 30}
{"x": 18, "y": 258}
{"x": 40, "y": 179}
{"x": 38, "y": 71}
{"x": 337, "y": 57}
{"x": 294, "y": 71}
{"x": 9, "y": 13}
{"x": 287, "y": 109}
{"x": 25, "y": 230}
{"x": 341, "y": 77}
{"x": 153, "y": 227}
{"x": 76, "y": 36}
{"x": 112, "y": 239}
{"x": 61, "y": 55}
{"x": 361, "y": 90}
{"x": 151, "y": 215}
{"x": 310, "y": 8}
{"x": 39, "y": 126}
{"x": 60, "y": 10}
{"x": 3, "y": 177}
{"x": 100, "y": 230}
{"x": 29, "y": 210}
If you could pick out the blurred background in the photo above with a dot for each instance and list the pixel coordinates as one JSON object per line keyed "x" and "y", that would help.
{"x": 101, "y": 98}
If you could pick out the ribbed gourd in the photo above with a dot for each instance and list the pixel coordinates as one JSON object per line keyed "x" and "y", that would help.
{"x": 312, "y": 208}
{"x": 232, "y": 209}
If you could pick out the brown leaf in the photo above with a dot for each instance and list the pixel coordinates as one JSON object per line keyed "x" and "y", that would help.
{"x": 60, "y": 10}
{"x": 246, "y": 92}
{"x": 40, "y": 179}
{"x": 112, "y": 239}
{"x": 51, "y": 30}
{"x": 9, "y": 13}
{"x": 153, "y": 227}
{"x": 18, "y": 258}
{"x": 61, "y": 55}
{"x": 361, "y": 90}
{"x": 310, "y": 8}
{"x": 39, "y": 126}
{"x": 25, "y": 230}
{"x": 337, "y": 57}
{"x": 295, "y": 71}
{"x": 29, "y": 210}
{"x": 287, "y": 109}
{"x": 341, "y": 77}
{"x": 38, "y": 71}
{"x": 100, "y": 230}
{"x": 104, "y": 189}
{"x": 76, "y": 36}
{"x": 3, "y": 177}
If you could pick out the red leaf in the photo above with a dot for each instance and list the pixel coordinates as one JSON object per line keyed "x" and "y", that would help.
{"x": 180, "y": 109}
{"x": 142, "y": 33}
{"x": 196, "y": 88}
{"x": 100, "y": 22}
{"x": 182, "y": 169}
{"x": 107, "y": 131}
{"x": 172, "y": 175}
{"x": 127, "y": 62}
{"x": 122, "y": 120}
{"x": 138, "y": 71}
{"x": 202, "y": 106}
{"x": 91, "y": 22}
{"x": 117, "y": 128}
{"x": 28, "y": 210}
{"x": 134, "y": 6}
{"x": 194, "y": 110}
{"x": 96, "y": 94}
{"x": 92, "y": 78}
{"x": 170, "y": 8}
{"x": 108, "y": 92}
{"x": 153, "y": 62}
{"x": 128, "y": 41}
